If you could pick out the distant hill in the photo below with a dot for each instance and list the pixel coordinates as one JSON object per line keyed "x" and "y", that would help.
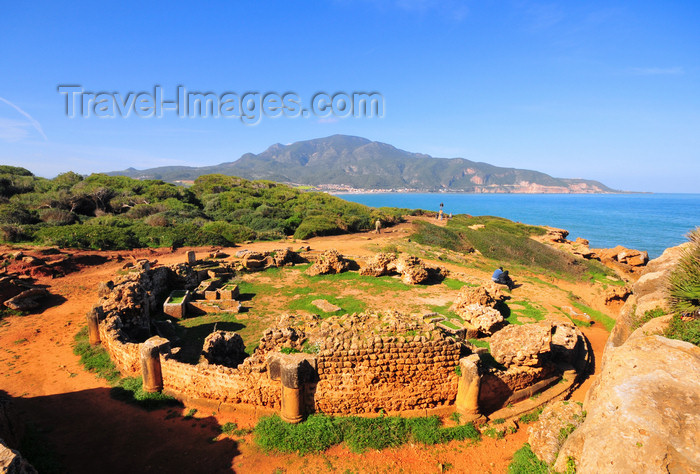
{"x": 342, "y": 162}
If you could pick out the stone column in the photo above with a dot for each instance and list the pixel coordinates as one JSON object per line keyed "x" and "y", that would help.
{"x": 93, "y": 322}
{"x": 150, "y": 363}
{"x": 294, "y": 371}
{"x": 191, "y": 257}
{"x": 467, "y": 402}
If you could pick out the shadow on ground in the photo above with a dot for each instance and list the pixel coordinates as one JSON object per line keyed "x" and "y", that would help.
{"x": 88, "y": 431}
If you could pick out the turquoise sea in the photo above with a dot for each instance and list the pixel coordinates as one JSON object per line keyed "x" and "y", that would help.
{"x": 651, "y": 222}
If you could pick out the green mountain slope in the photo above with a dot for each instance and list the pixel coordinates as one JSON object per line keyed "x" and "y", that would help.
{"x": 346, "y": 161}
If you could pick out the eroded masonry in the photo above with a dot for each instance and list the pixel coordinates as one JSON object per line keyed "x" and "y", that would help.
{"x": 372, "y": 362}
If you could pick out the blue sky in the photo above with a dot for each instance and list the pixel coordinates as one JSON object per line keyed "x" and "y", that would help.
{"x": 600, "y": 90}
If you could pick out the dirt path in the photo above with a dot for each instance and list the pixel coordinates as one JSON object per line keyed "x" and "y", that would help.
{"x": 92, "y": 432}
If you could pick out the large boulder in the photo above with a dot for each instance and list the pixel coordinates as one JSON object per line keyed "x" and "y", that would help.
{"x": 526, "y": 345}
{"x": 28, "y": 300}
{"x": 224, "y": 348}
{"x": 485, "y": 295}
{"x": 329, "y": 262}
{"x": 642, "y": 412}
{"x": 486, "y": 319}
{"x": 556, "y": 421}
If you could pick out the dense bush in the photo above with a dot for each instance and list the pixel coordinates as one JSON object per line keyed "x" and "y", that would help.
{"x": 116, "y": 212}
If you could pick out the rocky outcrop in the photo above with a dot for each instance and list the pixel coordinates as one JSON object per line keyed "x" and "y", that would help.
{"x": 329, "y": 262}
{"x": 649, "y": 292}
{"x": 224, "y": 348}
{"x": 642, "y": 412}
{"x": 550, "y": 431}
{"x": 556, "y": 235}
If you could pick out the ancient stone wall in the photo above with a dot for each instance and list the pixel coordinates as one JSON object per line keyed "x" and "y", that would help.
{"x": 388, "y": 373}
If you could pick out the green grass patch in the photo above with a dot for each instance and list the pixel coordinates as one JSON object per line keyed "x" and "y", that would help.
{"x": 232, "y": 429}
{"x": 528, "y": 309}
{"x": 688, "y": 331}
{"x": 367, "y": 283}
{"x": 578, "y": 322}
{"x": 450, "y": 324}
{"x": 95, "y": 359}
{"x": 532, "y": 416}
{"x": 525, "y": 462}
{"x": 177, "y": 296}
{"x": 454, "y": 284}
{"x": 480, "y": 343}
{"x": 347, "y": 304}
{"x": 602, "y": 318}
{"x": 319, "y": 432}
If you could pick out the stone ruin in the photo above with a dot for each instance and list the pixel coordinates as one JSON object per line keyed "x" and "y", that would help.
{"x": 413, "y": 270}
{"x": 352, "y": 364}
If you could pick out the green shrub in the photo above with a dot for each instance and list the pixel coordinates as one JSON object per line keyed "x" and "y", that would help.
{"x": 95, "y": 237}
{"x": 688, "y": 331}
{"x": 684, "y": 280}
{"x": 525, "y": 462}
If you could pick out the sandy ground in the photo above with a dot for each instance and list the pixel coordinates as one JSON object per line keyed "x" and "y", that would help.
{"x": 91, "y": 432}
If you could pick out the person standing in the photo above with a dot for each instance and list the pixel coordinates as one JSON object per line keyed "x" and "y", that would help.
{"x": 378, "y": 226}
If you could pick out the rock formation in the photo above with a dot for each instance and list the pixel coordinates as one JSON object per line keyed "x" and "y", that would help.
{"x": 330, "y": 261}
{"x": 28, "y": 300}
{"x": 642, "y": 409}
{"x": 642, "y": 412}
{"x": 547, "y": 434}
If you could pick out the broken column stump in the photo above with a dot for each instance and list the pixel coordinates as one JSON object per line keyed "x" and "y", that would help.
{"x": 93, "y": 322}
{"x": 295, "y": 371}
{"x": 191, "y": 257}
{"x": 467, "y": 402}
{"x": 150, "y": 363}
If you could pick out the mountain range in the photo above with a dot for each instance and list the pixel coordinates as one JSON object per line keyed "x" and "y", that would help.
{"x": 347, "y": 163}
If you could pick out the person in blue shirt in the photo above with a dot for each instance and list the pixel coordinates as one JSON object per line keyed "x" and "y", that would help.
{"x": 501, "y": 277}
